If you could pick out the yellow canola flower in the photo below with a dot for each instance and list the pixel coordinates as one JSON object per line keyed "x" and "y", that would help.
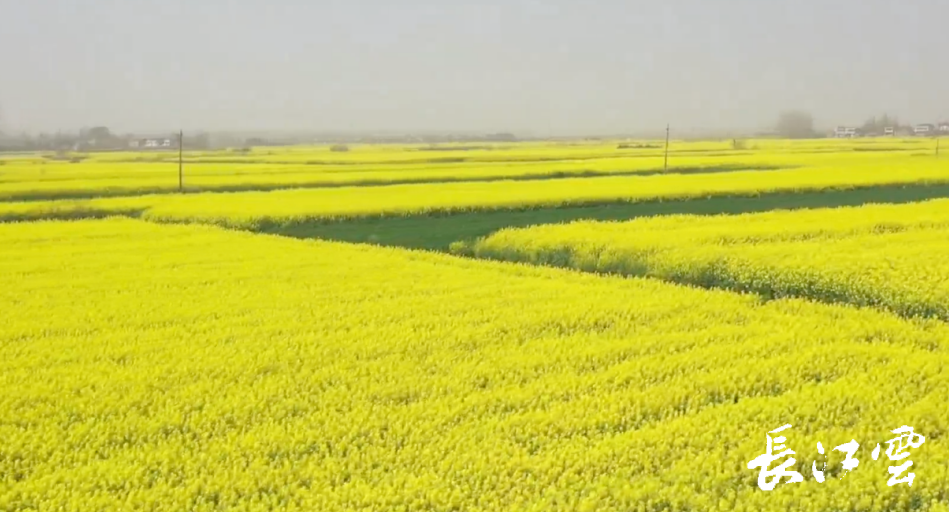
{"x": 158, "y": 367}
{"x": 462, "y": 187}
{"x": 886, "y": 256}
{"x": 127, "y": 173}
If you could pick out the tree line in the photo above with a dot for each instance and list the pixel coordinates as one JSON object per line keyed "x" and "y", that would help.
{"x": 799, "y": 124}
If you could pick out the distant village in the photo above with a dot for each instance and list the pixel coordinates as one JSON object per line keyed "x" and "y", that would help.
{"x": 102, "y": 139}
{"x": 919, "y": 130}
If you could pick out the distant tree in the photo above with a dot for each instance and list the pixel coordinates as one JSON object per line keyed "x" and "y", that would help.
{"x": 44, "y": 141}
{"x": 888, "y": 121}
{"x": 877, "y": 124}
{"x": 795, "y": 124}
{"x": 99, "y": 133}
{"x": 64, "y": 140}
{"x": 503, "y": 137}
{"x": 201, "y": 140}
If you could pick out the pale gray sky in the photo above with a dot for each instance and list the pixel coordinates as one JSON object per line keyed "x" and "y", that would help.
{"x": 553, "y": 66}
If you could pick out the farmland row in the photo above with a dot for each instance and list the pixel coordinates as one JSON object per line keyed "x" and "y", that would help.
{"x": 54, "y": 180}
{"x": 253, "y": 210}
{"x": 474, "y": 152}
{"x": 112, "y": 180}
{"x": 107, "y": 176}
{"x": 889, "y": 256}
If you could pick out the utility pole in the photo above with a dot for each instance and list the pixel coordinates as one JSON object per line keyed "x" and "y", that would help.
{"x": 181, "y": 183}
{"x": 665, "y": 163}
{"x": 937, "y": 145}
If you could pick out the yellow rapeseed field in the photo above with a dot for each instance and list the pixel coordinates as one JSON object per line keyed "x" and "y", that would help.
{"x": 169, "y": 367}
{"x": 155, "y": 361}
{"x": 123, "y": 173}
{"x": 254, "y": 209}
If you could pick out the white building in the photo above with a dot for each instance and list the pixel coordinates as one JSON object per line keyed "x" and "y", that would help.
{"x": 161, "y": 143}
{"x": 842, "y": 132}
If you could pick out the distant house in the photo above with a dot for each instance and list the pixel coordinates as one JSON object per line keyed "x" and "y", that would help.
{"x": 154, "y": 143}
{"x": 924, "y": 129}
{"x": 944, "y": 128}
{"x": 843, "y": 132}
{"x": 889, "y": 130}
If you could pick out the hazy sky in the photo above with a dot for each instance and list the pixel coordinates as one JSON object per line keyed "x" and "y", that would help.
{"x": 553, "y": 66}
